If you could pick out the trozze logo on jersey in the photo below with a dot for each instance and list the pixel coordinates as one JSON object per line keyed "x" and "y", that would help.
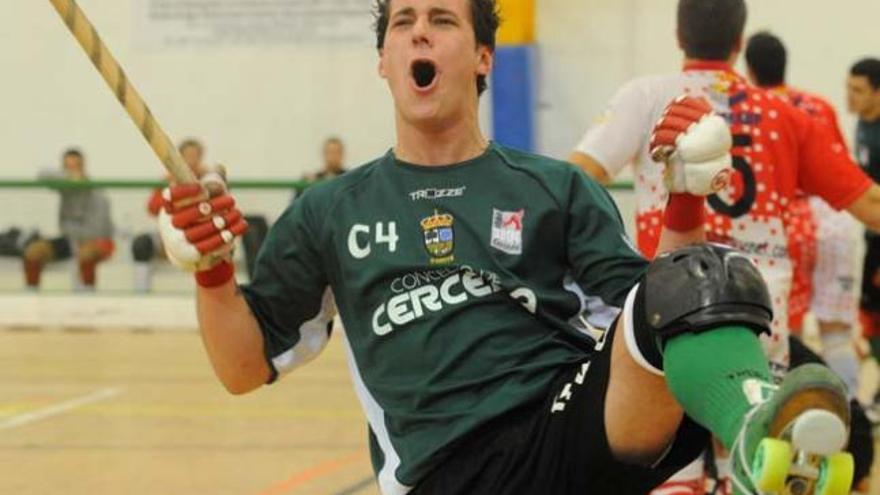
{"x": 507, "y": 228}
{"x": 439, "y": 237}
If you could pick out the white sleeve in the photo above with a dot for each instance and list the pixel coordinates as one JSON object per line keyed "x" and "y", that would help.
{"x": 618, "y": 135}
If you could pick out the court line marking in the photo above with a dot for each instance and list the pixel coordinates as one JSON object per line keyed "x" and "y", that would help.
{"x": 357, "y": 487}
{"x": 312, "y": 473}
{"x": 60, "y": 408}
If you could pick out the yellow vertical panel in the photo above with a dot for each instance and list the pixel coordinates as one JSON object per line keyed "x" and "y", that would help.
{"x": 517, "y": 22}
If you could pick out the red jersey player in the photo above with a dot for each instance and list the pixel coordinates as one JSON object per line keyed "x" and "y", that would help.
{"x": 824, "y": 280}
{"x": 778, "y": 151}
{"x": 827, "y": 282}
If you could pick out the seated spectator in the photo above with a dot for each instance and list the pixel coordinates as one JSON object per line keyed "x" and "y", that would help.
{"x": 85, "y": 224}
{"x": 333, "y": 152}
{"x": 147, "y": 247}
{"x": 333, "y": 158}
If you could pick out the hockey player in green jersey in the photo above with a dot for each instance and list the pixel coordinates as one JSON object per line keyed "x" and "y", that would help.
{"x": 504, "y": 336}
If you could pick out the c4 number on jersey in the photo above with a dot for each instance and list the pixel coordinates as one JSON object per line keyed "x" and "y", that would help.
{"x": 359, "y": 243}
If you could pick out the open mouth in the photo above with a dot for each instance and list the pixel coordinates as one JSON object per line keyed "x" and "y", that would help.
{"x": 424, "y": 73}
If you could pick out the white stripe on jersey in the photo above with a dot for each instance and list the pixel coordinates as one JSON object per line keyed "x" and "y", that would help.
{"x": 313, "y": 338}
{"x": 595, "y": 317}
{"x": 388, "y": 483}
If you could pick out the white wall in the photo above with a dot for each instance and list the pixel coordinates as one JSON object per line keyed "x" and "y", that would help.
{"x": 590, "y": 47}
{"x": 263, "y": 110}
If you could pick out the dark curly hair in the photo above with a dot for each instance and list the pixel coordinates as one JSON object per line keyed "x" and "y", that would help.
{"x": 710, "y": 29}
{"x": 869, "y": 68}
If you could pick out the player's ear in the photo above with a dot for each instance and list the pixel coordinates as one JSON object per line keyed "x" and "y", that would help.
{"x": 381, "y": 67}
{"x": 485, "y": 60}
{"x": 737, "y": 49}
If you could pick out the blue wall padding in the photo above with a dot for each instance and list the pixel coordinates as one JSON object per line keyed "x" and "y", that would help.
{"x": 513, "y": 96}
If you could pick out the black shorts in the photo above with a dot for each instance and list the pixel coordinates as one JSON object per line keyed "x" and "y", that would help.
{"x": 871, "y": 275}
{"x": 61, "y": 248}
{"x": 557, "y": 447}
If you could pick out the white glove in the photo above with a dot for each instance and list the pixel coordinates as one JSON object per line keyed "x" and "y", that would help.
{"x": 695, "y": 144}
{"x": 198, "y": 228}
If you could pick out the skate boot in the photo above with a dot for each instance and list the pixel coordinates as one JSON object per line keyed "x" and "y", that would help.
{"x": 792, "y": 441}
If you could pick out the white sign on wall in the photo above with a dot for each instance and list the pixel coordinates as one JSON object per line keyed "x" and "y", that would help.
{"x": 207, "y": 23}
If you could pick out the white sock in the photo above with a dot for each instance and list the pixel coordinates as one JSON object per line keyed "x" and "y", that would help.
{"x": 689, "y": 481}
{"x": 143, "y": 276}
{"x": 722, "y": 465}
{"x": 838, "y": 352}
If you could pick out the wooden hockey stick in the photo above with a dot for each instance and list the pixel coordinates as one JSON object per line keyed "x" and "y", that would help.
{"x": 87, "y": 36}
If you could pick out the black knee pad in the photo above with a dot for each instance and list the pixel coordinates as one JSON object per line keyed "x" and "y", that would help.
{"x": 142, "y": 248}
{"x": 701, "y": 287}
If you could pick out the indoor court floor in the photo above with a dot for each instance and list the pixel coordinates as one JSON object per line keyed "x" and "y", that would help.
{"x": 87, "y": 412}
{"x": 118, "y": 412}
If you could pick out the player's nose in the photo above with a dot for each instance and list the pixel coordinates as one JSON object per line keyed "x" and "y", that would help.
{"x": 421, "y": 31}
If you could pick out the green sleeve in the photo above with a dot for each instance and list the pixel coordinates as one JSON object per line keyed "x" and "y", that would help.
{"x": 601, "y": 257}
{"x": 289, "y": 294}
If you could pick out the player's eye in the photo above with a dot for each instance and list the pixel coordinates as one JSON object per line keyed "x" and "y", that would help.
{"x": 447, "y": 21}
{"x": 402, "y": 21}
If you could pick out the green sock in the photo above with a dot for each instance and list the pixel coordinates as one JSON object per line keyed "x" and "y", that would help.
{"x": 706, "y": 372}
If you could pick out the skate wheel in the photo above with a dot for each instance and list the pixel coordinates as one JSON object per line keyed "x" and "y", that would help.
{"x": 836, "y": 475}
{"x": 771, "y": 464}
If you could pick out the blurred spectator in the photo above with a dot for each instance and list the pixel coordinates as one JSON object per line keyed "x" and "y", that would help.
{"x": 14, "y": 240}
{"x": 85, "y": 223}
{"x": 333, "y": 154}
{"x": 147, "y": 247}
{"x": 334, "y": 159}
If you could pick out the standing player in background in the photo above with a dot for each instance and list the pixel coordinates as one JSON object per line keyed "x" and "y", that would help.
{"x": 831, "y": 279}
{"x": 503, "y": 335}
{"x": 829, "y": 285}
{"x": 85, "y": 224}
{"x": 863, "y": 98}
{"x": 778, "y": 150}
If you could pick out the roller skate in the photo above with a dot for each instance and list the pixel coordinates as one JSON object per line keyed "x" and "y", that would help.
{"x": 792, "y": 441}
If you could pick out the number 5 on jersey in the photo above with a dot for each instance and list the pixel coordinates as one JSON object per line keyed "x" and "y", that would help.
{"x": 359, "y": 238}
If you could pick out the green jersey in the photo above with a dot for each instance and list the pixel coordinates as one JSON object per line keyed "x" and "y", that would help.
{"x": 868, "y": 147}
{"x": 868, "y": 154}
{"x": 464, "y": 290}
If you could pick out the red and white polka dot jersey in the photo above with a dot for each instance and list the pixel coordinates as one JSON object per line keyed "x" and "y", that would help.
{"x": 803, "y": 226}
{"x": 778, "y": 150}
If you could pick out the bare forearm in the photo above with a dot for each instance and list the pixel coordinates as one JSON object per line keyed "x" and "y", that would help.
{"x": 232, "y": 338}
{"x": 670, "y": 240}
{"x": 867, "y": 208}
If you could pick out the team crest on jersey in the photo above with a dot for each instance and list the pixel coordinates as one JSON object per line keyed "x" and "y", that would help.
{"x": 439, "y": 237}
{"x": 507, "y": 228}
{"x": 723, "y": 82}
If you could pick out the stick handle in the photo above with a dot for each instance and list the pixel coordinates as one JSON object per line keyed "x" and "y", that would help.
{"x": 87, "y": 36}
